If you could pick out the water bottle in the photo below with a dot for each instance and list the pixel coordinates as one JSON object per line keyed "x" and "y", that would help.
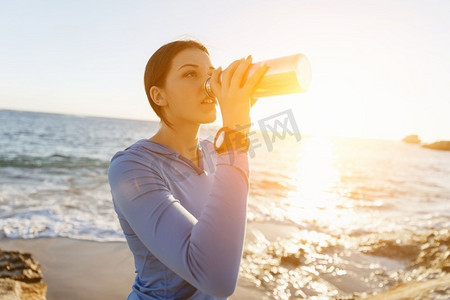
{"x": 286, "y": 75}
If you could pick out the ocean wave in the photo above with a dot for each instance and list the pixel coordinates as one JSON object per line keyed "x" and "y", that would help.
{"x": 52, "y": 161}
{"x": 52, "y": 222}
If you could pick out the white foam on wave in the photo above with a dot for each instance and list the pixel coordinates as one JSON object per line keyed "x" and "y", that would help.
{"x": 51, "y": 223}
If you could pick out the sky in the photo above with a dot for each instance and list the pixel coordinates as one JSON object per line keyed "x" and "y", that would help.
{"x": 380, "y": 69}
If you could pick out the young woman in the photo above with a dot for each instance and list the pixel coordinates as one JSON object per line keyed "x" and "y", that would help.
{"x": 181, "y": 201}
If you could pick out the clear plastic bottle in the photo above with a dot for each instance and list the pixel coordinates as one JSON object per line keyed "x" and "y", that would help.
{"x": 286, "y": 75}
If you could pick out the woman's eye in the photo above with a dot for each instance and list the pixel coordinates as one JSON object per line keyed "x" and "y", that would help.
{"x": 191, "y": 74}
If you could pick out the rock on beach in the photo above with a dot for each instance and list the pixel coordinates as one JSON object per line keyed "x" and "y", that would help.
{"x": 20, "y": 277}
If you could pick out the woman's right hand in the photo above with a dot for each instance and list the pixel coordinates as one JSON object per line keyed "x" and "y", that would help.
{"x": 233, "y": 89}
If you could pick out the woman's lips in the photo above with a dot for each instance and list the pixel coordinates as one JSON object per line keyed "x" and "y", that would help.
{"x": 207, "y": 101}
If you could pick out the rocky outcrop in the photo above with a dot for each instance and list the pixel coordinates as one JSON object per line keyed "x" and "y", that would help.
{"x": 412, "y": 139}
{"x": 440, "y": 145}
{"x": 434, "y": 251}
{"x": 20, "y": 277}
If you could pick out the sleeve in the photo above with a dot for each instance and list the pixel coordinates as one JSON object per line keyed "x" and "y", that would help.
{"x": 206, "y": 252}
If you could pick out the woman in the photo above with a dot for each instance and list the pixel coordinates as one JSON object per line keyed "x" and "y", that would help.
{"x": 181, "y": 201}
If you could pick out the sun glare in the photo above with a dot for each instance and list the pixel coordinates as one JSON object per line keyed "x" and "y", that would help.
{"x": 314, "y": 173}
{"x": 315, "y": 178}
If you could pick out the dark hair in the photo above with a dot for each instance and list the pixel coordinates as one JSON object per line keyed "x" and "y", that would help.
{"x": 158, "y": 67}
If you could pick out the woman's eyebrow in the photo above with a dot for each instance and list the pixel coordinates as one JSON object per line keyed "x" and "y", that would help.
{"x": 193, "y": 65}
{"x": 188, "y": 65}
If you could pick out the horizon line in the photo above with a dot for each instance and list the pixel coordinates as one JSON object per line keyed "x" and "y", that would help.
{"x": 207, "y": 125}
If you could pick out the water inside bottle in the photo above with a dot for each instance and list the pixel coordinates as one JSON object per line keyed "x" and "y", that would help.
{"x": 278, "y": 84}
{"x": 286, "y": 75}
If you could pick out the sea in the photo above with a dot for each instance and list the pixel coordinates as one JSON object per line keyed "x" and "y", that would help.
{"x": 363, "y": 215}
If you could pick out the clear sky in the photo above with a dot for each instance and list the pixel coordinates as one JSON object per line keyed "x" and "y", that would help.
{"x": 380, "y": 68}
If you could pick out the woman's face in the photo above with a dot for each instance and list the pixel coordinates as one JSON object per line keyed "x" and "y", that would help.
{"x": 184, "y": 91}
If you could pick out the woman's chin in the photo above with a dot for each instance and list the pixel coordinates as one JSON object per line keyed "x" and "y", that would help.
{"x": 209, "y": 118}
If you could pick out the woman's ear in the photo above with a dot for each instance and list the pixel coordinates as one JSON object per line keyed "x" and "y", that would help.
{"x": 157, "y": 96}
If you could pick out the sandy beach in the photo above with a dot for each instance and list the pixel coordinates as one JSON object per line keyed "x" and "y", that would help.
{"x": 76, "y": 269}
{"x": 80, "y": 270}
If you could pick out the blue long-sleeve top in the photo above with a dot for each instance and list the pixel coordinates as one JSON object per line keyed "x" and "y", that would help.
{"x": 185, "y": 224}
